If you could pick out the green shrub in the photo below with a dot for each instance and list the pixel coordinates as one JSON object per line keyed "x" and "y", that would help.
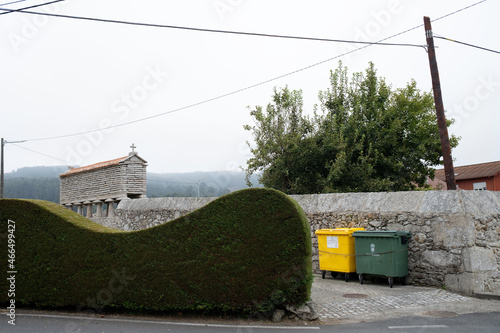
{"x": 247, "y": 251}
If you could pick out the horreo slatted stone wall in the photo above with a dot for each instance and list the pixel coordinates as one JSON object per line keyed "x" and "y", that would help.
{"x": 103, "y": 184}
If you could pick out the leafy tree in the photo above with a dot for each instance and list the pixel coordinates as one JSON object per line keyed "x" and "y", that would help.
{"x": 280, "y": 133}
{"x": 365, "y": 137}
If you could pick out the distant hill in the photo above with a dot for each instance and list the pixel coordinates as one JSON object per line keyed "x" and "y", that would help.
{"x": 37, "y": 171}
{"x": 42, "y": 182}
{"x": 211, "y": 184}
{"x": 43, "y": 188}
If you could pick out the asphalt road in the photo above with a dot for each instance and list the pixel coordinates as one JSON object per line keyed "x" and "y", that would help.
{"x": 341, "y": 307}
{"x": 52, "y": 322}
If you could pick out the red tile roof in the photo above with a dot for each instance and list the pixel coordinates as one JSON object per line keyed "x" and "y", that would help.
{"x": 93, "y": 166}
{"x": 473, "y": 171}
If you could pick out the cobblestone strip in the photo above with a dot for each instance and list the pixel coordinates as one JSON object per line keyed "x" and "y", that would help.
{"x": 373, "y": 305}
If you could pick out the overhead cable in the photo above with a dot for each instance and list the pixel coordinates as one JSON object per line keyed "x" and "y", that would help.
{"x": 10, "y": 3}
{"x": 200, "y": 102}
{"x": 251, "y": 86}
{"x": 37, "y": 152}
{"x": 203, "y": 29}
{"x": 456, "y": 41}
{"x": 169, "y": 182}
{"x": 21, "y": 9}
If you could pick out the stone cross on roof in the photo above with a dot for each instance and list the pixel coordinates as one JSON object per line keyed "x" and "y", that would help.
{"x": 133, "y": 147}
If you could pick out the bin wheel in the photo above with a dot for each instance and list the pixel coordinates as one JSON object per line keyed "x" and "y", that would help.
{"x": 346, "y": 277}
{"x": 361, "y": 278}
{"x": 403, "y": 280}
{"x": 323, "y": 273}
{"x": 391, "y": 282}
{"x": 333, "y": 274}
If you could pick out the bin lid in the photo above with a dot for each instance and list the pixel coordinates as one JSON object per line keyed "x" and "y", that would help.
{"x": 337, "y": 231}
{"x": 384, "y": 233}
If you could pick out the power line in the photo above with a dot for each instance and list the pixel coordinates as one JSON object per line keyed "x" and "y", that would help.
{"x": 37, "y": 152}
{"x": 204, "y": 29}
{"x": 437, "y": 19}
{"x": 251, "y": 86}
{"x": 201, "y": 102}
{"x": 458, "y": 11}
{"x": 10, "y": 3}
{"x": 169, "y": 182}
{"x": 456, "y": 41}
{"x": 19, "y": 10}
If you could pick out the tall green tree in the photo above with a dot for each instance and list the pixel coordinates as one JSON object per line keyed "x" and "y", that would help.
{"x": 365, "y": 137}
{"x": 281, "y": 133}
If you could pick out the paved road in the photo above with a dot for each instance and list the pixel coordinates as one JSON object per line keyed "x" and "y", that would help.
{"x": 51, "y": 323}
{"x": 341, "y": 307}
{"x": 58, "y": 322}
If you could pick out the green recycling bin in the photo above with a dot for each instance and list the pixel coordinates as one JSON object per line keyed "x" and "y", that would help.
{"x": 382, "y": 253}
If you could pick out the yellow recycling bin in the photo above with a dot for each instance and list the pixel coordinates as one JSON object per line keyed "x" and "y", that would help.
{"x": 337, "y": 251}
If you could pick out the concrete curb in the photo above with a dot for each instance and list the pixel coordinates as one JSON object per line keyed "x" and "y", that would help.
{"x": 491, "y": 296}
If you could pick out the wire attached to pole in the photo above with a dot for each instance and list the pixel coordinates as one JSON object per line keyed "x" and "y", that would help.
{"x": 467, "y": 44}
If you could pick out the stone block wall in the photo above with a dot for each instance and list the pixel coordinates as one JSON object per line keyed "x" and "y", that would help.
{"x": 455, "y": 234}
{"x": 144, "y": 213}
{"x": 133, "y": 175}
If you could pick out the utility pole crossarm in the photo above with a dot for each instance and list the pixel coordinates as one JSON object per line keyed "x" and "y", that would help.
{"x": 438, "y": 101}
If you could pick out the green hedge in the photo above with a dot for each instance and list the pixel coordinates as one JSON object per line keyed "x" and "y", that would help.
{"x": 248, "y": 251}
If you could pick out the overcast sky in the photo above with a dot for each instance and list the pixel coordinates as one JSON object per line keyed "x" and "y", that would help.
{"x": 63, "y": 76}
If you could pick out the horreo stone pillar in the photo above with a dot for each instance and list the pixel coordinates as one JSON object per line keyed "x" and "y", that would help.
{"x": 111, "y": 207}
{"x": 88, "y": 204}
{"x": 79, "y": 208}
{"x": 98, "y": 212}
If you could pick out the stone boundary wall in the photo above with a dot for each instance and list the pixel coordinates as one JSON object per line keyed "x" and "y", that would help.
{"x": 137, "y": 214}
{"x": 455, "y": 234}
{"x": 455, "y": 240}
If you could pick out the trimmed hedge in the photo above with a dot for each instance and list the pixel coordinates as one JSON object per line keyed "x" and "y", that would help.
{"x": 248, "y": 251}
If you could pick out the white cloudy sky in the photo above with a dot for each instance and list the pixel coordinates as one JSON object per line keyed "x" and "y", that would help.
{"x": 63, "y": 76}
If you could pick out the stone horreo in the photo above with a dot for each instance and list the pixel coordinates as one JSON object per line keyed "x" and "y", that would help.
{"x": 104, "y": 184}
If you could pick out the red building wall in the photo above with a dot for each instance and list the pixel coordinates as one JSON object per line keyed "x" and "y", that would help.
{"x": 492, "y": 183}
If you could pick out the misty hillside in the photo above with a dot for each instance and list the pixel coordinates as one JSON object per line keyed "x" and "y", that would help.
{"x": 42, "y": 182}
{"x": 38, "y": 171}
{"x": 211, "y": 184}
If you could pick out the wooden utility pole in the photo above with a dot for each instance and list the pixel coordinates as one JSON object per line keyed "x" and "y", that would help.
{"x": 2, "y": 181}
{"x": 438, "y": 101}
